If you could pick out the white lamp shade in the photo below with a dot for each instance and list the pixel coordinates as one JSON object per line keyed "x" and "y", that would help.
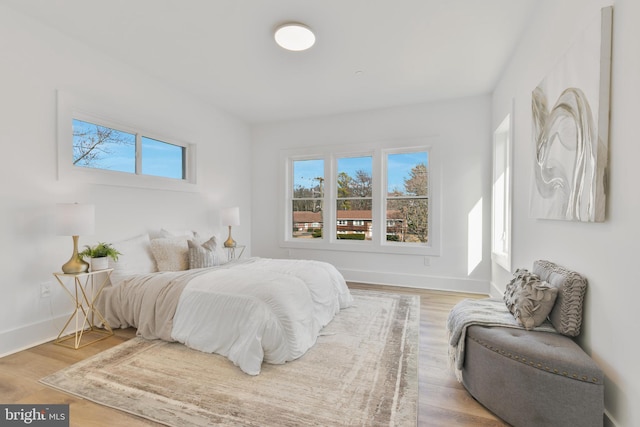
{"x": 230, "y": 216}
{"x": 74, "y": 219}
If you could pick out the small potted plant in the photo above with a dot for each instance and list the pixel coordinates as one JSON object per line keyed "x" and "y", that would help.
{"x": 99, "y": 255}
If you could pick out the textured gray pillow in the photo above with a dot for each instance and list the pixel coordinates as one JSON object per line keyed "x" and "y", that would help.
{"x": 566, "y": 315}
{"x": 203, "y": 255}
{"x": 529, "y": 299}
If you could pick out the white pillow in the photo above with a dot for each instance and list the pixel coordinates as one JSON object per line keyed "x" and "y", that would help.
{"x": 171, "y": 253}
{"x": 221, "y": 254}
{"x": 163, "y": 233}
{"x": 203, "y": 255}
{"x": 135, "y": 258}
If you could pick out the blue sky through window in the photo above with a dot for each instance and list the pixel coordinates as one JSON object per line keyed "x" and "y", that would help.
{"x": 398, "y": 168}
{"x": 116, "y": 151}
{"x": 162, "y": 159}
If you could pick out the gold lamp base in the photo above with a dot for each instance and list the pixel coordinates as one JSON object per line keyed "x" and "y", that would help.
{"x": 229, "y": 243}
{"x": 75, "y": 264}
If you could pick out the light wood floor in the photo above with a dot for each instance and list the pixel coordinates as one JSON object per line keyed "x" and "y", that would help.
{"x": 442, "y": 400}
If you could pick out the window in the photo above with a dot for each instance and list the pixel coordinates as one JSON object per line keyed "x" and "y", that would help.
{"x": 373, "y": 198}
{"x": 94, "y": 149}
{"x": 354, "y": 197}
{"x": 407, "y": 201}
{"x": 163, "y": 159}
{"x": 501, "y": 200}
{"x": 103, "y": 147}
{"x": 307, "y": 198}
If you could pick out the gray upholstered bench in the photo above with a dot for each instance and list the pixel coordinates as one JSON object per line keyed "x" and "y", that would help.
{"x": 532, "y": 378}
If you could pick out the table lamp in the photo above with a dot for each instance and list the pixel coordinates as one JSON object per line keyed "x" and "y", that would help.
{"x": 229, "y": 217}
{"x": 74, "y": 219}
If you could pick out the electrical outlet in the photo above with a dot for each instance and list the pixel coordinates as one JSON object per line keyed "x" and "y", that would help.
{"x": 427, "y": 261}
{"x": 45, "y": 290}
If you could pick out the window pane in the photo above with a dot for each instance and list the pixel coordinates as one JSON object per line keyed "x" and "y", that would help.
{"x": 354, "y": 219}
{"x": 162, "y": 159}
{"x": 407, "y": 220}
{"x": 354, "y": 177}
{"x": 308, "y": 191}
{"x": 307, "y": 218}
{"x": 407, "y": 174}
{"x": 308, "y": 178}
{"x": 100, "y": 147}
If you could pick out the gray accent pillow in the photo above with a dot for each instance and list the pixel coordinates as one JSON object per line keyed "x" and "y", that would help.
{"x": 529, "y": 299}
{"x": 203, "y": 255}
{"x": 566, "y": 315}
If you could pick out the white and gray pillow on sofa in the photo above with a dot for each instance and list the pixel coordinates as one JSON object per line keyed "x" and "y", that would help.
{"x": 549, "y": 291}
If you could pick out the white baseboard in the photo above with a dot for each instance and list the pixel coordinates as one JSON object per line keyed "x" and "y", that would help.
{"x": 454, "y": 284}
{"x": 30, "y": 335}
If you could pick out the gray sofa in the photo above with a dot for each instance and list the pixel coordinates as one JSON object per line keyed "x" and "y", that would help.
{"x": 532, "y": 378}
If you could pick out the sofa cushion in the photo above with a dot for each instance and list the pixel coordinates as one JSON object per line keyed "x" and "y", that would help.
{"x": 566, "y": 315}
{"x": 529, "y": 299}
{"x": 532, "y": 379}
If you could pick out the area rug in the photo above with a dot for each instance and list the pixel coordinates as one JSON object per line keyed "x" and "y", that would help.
{"x": 362, "y": 371}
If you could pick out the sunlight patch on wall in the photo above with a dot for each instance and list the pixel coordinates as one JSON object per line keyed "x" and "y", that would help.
{"x": 474, "y": 243}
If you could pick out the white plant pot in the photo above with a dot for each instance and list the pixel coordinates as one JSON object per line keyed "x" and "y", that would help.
{"x": 101, "y": 263}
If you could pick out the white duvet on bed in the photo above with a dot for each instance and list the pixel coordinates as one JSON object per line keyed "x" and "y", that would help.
{"x": 259, "y": 310}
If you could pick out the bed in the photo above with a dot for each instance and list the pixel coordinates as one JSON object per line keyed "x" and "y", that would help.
{"x": 251, "y": 311}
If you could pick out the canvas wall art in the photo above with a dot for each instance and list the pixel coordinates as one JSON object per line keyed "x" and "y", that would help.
{"x": 570, "y": 110}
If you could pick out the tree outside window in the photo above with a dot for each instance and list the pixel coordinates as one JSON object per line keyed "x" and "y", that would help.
{"x": 407, "y": 204}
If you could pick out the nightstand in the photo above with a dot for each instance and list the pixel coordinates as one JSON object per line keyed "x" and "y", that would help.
{"x": 86, "y": 289}
{"x": 235, "y": 252}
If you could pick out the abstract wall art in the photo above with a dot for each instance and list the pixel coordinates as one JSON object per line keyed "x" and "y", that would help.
{"x": 570, "y": 110}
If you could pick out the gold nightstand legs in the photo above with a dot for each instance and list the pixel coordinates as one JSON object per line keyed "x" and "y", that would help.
{"x": 85, "y": 312}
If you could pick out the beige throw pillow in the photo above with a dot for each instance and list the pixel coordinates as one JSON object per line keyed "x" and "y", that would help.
{"x": 171, "y": 253}
{"x": 529, "y": 299}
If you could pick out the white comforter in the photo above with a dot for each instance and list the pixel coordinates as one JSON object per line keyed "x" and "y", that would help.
{"x": 258, "y": 310}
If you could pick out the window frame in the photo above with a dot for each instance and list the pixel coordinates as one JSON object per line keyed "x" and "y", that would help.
{"x": 501, "y": 199}
{"x": 70, "y": 108}
{"x": 385, "y": 198}
{"x": 378, "y": 151}
{"x": 334, "y": 200}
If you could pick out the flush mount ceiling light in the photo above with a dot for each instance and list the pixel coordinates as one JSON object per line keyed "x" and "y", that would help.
{"x": 294, "y": 36}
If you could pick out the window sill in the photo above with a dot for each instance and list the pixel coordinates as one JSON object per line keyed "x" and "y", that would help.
{"x": 363, "y": 247}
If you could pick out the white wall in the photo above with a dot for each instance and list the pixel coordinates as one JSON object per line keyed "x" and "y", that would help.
{"x": 606, "y": 253}
{"x": 461, "y": 130}
{"x": 35, "y": 63}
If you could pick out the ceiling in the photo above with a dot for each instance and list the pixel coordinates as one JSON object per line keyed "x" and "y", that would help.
{"x": 369, "y": 54}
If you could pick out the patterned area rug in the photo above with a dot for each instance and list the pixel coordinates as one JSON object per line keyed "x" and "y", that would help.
{"x": 363, "y": 370}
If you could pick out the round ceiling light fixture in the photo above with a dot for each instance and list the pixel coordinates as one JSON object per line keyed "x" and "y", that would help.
{"x": 294, "y": 36}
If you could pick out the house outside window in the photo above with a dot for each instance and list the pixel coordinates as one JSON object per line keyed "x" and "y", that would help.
{"x": 354, "y": 191}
